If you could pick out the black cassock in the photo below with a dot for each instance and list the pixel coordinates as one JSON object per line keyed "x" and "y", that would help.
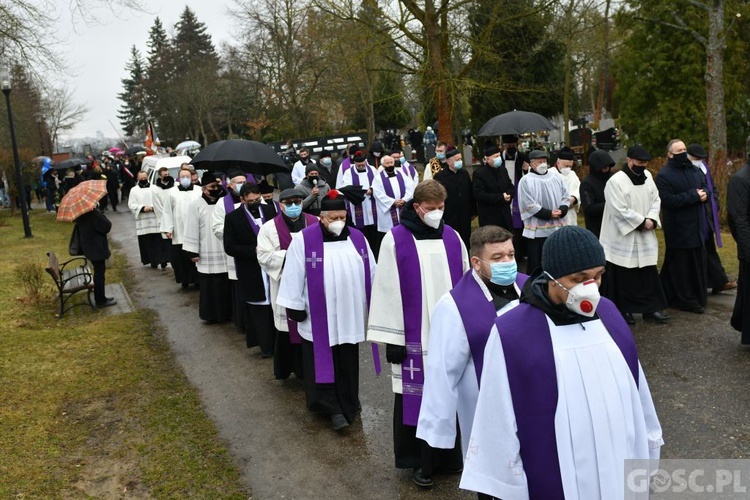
{"x": 340, "y": 397}
{"x": 490, "y": 186}
{"x": 738, "y": 211}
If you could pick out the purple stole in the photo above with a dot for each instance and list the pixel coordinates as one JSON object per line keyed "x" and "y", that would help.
{"x": 255, "y": 227}
{"x": 395, "y": 212}
{"x": 412, "y": 172}
{"x": 228, "y": 203}
{"x": 478, "y": 315}
{"x": 285, "y": 239}
{"x": 314, "y": 248}
{"x": 410, "y": 279}
{"x": 530, "y": 364}
{"x": 345, "y": 165}
{"x": 714, "y": 208}
{"x": 359, "y": 216}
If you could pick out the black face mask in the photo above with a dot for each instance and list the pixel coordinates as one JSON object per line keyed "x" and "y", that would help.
{"x": 143, "y": 184}
{"x": 511, "y": 152}
{"x": 389, "y": 169}
{"x": 312, "y": 178}
{"x": 213, "y": 193}
{"x": 251, "y": 204}
{"x": 681, "y": 158}
{"x": 638, "y": 170}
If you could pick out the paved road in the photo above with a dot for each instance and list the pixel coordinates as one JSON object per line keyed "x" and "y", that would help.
{"x": 695, "y": 366}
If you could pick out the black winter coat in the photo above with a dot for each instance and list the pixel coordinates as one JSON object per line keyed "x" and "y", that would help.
{"x": 240, "y": 242}
{"x": 738, "y": 210}
{"x": 459, "y": 206}
{"x": 683, "y": 216}
{"x": 490, "y": 186}
{"x": 592, "y": 201}
{"x": 93, "y": 228}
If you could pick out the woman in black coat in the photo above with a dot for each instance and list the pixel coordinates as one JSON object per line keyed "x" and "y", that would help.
{"x": 93, "y": 228}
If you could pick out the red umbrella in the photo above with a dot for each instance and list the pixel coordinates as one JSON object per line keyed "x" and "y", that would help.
{"x": 115, "y": 150}
{"x": 81, "y": 199}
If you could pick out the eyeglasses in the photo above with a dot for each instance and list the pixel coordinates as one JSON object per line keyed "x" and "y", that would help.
{"x": 293, "y": 201}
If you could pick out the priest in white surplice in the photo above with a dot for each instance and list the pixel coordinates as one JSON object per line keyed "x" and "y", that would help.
{"x": 325, "y": 288}
{"x": 564, "y": 165}
{"x": 228, "y": 203}
{"x": 543, "y": 200}
{"x": 363, "y": 213}
{"x": 563, "y": 400}
{"x": 420, "y": 260}
{"x": 141, "y": 204}
{"x": 392, "y": 188}
{"x": 459, "y": 329}
{"x": 173, "y": 225}
{"x": 161, "y": 187}
{"x": 274, "y": 239}
{"x": 207, "y": 251}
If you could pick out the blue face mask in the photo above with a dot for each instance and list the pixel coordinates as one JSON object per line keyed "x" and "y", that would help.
{"x": 458, "y": 165}
{"x": 440, "y": 156}
{"x": 293, "y": 211}
{"x": 402, "y": 160}
{"x": 503, "y": 273}
{"x": 497, "y": 162}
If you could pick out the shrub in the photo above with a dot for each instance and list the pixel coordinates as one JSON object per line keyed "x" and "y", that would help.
{"x": 30, "y": 274}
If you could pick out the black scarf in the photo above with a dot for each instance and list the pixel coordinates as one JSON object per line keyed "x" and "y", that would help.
{"x": 421, "y": 231}
{"x": 636, "y": 179}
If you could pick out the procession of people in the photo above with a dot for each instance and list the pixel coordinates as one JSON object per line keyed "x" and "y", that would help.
{"x": 512, "y": 359}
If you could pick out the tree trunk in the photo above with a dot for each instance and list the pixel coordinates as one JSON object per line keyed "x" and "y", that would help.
{"x": 715, "y": 107}
{"x": 604, "y": 66}
{"x": 436, "y": 59}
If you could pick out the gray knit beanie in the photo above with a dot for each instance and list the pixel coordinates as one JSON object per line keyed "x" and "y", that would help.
{"x": 571, "y": 249}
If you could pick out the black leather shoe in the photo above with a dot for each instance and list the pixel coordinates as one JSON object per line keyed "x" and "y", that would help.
{"x": 420, "y": 479}
{"x": 338, "y": 421}
{"x": 109, "y": 303}
{"x": 658, "y": 317}
{"x": 629, "y": 319}
{"x": 697, "y": 310}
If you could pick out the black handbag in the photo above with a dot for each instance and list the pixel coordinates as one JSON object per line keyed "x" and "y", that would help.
{"x": 74, "y": 247}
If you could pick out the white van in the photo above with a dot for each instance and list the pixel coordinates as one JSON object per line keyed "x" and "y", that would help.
{"x": 152, "y": 164}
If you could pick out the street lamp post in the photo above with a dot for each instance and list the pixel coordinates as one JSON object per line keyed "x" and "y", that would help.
{"x": 5, "y": 82}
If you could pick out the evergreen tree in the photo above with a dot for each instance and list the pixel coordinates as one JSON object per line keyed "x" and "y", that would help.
{"x": 132, "y": 113}
{"x": 159, "y": 69}
{"x": 518, "y": 66}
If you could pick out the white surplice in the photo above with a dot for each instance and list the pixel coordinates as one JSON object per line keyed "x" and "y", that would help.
{"x": 160, "y": 197}
{"x": 199, "y": 238}
{"x": 368, "y": 205}
{"x": 175, "y": 212}
{"x": 271, "y": 259}
{"x": 450, "y": 379}
{"x": 344, "y": 284}
{"x": 574, "y": 189}
{"x": 138, "y": 199}
{"x": 602, "y": 418}
{"x": 541, "y": 191}
{"x": 217, "y": 227}
{"x": 383, "y": 202}
{"x": 386, "y": 312}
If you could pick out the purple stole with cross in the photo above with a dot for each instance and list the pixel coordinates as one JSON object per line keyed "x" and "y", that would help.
{"x": 477, "y": 314}
{"x": 410, "y": 279}
{"x": 314, "y": 267}
{"x": 388, "y": 187}
{"x": 285, "y": 239}
{"x": 530, "y": 364}
{"x": 359, "y": 216}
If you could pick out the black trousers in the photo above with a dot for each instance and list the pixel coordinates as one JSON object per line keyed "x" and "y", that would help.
{"x": 99, "y": 272}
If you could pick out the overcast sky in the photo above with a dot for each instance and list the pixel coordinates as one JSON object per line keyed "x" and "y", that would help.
{"x": 97, "y": 54}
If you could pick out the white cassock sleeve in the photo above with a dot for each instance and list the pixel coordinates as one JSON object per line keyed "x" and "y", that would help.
{"x": 191, "y": 242}
{"x": 135, "y": 201}
{"x": 298, "y": 172}
{"x": 167, "y": 217}
{"x": 217, "y": 219}
{"x": 293, "y": 288}
{"x": 653, "y": 427}
{"x": 493, "y": 463}
{"x": 449, "y": 355}
{"x": 270, "y": 256}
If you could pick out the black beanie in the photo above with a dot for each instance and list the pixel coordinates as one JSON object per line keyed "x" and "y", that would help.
{"x": 571, "y": 249}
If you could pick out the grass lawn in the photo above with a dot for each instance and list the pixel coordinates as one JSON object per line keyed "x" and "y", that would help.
{"x": 94, "y": 405}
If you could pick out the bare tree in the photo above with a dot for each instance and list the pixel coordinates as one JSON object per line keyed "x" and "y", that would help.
{"x": 60, "y": 112}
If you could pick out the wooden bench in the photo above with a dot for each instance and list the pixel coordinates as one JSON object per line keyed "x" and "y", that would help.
{"x": 70, "y": 281}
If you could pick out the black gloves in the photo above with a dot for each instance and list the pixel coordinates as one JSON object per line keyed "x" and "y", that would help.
{"x": 296, "y": 315}
{"x": 395, "y": 354}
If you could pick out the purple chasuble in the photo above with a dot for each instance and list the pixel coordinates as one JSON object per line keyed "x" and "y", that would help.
{"x": 359, "y": 216}
{"x": 314, "y": 248}
{"x": 714, "y": 208}
{"x": 285, "y": 239}
{"x": 477, "y": 314}
{"x": 410, "y": 279}
{"x": 530, "y": 364}
{"x": 388, "y": 187}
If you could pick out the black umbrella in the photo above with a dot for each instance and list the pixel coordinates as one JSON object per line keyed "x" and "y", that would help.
{"x": 71, "y": 162}
{"x": 515, "y": 122}
{"x": 250, "y": 156}
{"x": 133, "y": 150}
